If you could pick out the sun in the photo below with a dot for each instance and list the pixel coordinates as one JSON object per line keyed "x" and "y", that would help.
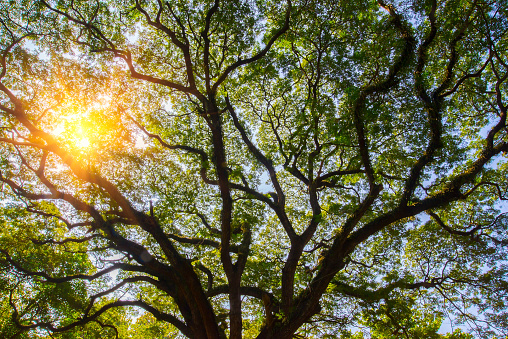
{"x": 87, "y": 129}
{"x": 76, "y": 134}
{"x": 81, "y": 138}
{"x": 83, "y": 143}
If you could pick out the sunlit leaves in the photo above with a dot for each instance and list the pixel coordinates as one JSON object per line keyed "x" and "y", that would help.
{"x": 152, "y": 141}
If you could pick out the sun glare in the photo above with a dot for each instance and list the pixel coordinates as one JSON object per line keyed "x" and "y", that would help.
{"x": 81, "y": 138}
{"x": 83, "y": 143}
{"x": 86, "y": 127}
{"x": 77, "y": 134}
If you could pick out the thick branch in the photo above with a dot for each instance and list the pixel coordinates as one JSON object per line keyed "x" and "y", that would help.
{"x": 268, "y": 164}
{"x": 85, "y": 320}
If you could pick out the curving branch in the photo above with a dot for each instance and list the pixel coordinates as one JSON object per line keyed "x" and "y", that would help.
{"x": 49, "y": 278}
{"x": 182, "y": 45}
{"x": 474, "y": 233}
{"x": 259, "y": 55}
{"x": 200, "y": 242}
{"x": 93, "y": 317}
{"x": 279, "y": 204}
{"x": 65, "y": 241}
{"x": 384, "y": 292}
{"x": 204, "y": 157}
{"x": 206, "y": 38}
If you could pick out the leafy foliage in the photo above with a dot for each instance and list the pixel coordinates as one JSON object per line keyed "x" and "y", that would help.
{"x": 256, "y": 169}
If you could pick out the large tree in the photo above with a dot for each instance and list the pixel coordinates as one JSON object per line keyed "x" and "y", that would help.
{"x": 245, "y": 168}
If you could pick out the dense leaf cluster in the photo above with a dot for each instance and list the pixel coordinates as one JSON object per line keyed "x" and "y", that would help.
{"x": 253, "y": 169}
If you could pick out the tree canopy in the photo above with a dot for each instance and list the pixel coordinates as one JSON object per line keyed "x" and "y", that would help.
{"x": 253, "y": 168}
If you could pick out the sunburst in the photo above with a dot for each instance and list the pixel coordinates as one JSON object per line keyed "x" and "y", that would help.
{"x": 82, "y": 138}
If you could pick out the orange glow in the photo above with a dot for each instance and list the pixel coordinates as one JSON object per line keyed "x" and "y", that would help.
{"x": 77, "y": 131}
{"x": 84, "y": 127}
